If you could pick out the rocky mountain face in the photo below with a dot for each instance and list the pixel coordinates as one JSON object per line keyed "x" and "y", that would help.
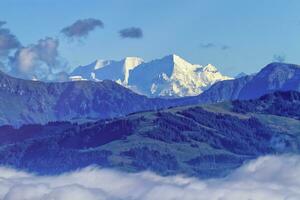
{"x": 170, "y": 76}
{"x": 201, "y": 140}
{"x": 273, "y": 77}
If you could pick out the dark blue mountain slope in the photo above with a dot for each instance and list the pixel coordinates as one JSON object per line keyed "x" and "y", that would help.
{"x": 271, "y": 78}
{"x": 201, "y": 140}
{"x": 27, "y": 102}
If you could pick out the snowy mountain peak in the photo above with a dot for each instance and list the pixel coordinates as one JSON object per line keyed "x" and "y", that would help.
{"x": 100, "y": 63}
{"x": 175, "y": 59}
{"x": 171, "y": 56}
{"x": 210, "y": 68}
{"x": 108, "y": 69}
{"x": 170, "y": 76}
{"x": 129, "y": 64}
{"x": 133, "y": 60}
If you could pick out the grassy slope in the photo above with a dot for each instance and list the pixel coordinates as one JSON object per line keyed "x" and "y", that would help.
{"x": 205, "y": 140}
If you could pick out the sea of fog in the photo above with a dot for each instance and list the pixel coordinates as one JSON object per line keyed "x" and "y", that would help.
{"x": 266, "y": 178}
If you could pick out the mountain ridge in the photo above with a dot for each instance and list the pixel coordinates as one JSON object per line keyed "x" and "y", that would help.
{"x": 99, "y": 69}
{"x": 205, "y": 141}
{"x": 170, "y": 76}
{"x": 26, "y": 101}
{"x": 272, "y": 77}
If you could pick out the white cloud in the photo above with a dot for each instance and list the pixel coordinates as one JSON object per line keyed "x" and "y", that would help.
{"x": 40, "y": 60}
{"x": 270, "y": 177}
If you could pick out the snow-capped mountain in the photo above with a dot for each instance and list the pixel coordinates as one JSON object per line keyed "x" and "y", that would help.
{"x": 170, "y": 76}
{"x": 26, "y": 101}
{"x": 173, "y": 76}
{"x": 107, "y": 69}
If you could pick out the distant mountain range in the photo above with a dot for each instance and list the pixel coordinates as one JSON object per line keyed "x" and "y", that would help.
{"x": 107, "y": 70}
{"x": 170, "y": 76}
{"x": 201, "y": 140}
{"x": 273, "y": 77}
{"x": 24, "y": 101}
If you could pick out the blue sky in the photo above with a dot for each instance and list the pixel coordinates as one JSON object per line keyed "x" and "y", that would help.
{"x": 252, "y": 31}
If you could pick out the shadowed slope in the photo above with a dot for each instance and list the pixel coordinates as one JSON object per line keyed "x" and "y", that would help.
{"x": 204, "y": 141}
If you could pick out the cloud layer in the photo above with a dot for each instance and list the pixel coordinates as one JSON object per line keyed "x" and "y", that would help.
{"x": 40, "y": 60}
{"x": 132, "y": 32}
{"x": 269, "y": 177}
{"x": 81, "y": 28}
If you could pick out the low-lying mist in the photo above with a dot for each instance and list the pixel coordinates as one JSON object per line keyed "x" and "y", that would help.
{"x": 269, "y": 177}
